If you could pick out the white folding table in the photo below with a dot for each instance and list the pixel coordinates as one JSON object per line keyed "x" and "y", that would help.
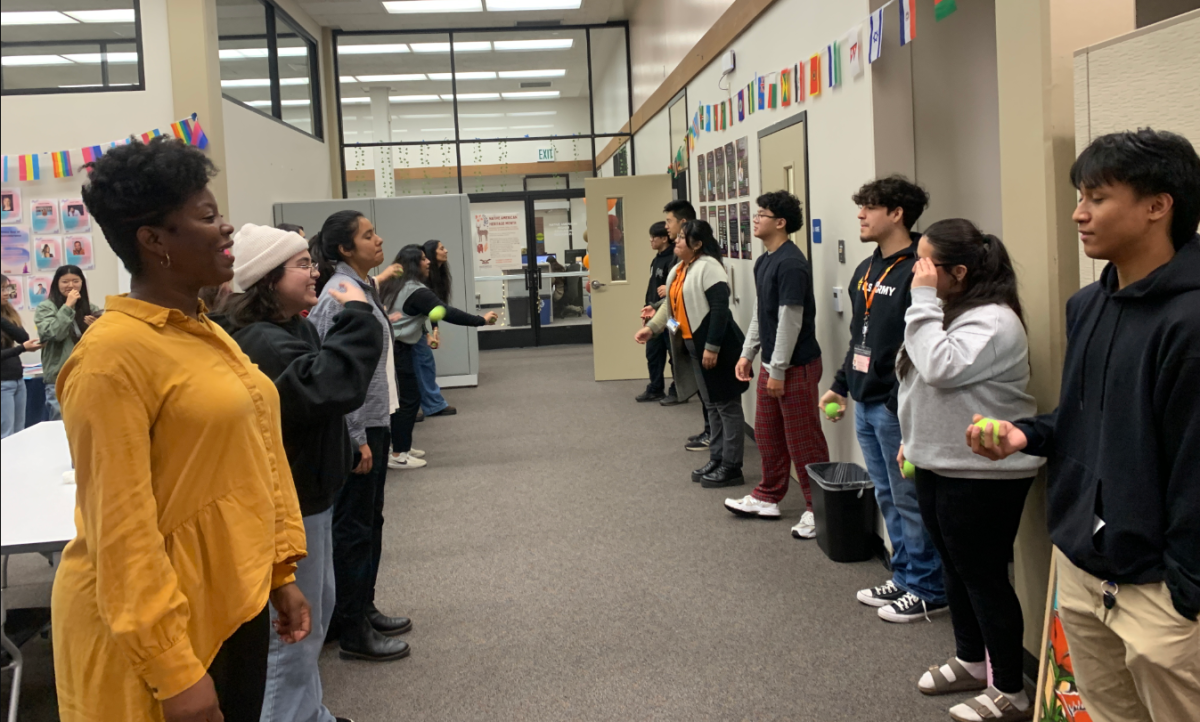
{"x": 37, "y": 510}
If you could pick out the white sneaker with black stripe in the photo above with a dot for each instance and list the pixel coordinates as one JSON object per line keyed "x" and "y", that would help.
{"x": 911, "y": 608}
{"x": 881, "y": 595}
{"x": 404, "y": 461}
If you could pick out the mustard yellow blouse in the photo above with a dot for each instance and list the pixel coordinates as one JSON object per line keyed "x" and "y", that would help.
{"x": 186, "y": 515}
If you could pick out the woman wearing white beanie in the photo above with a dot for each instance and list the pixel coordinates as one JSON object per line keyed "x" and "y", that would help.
{"x": 274, "y": 279}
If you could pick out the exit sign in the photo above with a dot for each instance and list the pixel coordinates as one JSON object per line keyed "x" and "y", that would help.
{"x": 545, "y": 155}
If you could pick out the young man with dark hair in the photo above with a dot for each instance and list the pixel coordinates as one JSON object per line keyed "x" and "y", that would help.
{"x": 658, "y": 348}
{"x": 678, "y": 212}
{"x": 1123, "y": 497}
{"x": 787, "y": 427}
{"x": 880, "y": 295}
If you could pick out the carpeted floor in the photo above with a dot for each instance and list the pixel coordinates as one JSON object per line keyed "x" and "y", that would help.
{"x": 559, "y": 565}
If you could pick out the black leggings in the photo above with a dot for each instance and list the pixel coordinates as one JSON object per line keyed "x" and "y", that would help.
{"x": 973, "y": 523}
{"x": 239, "y": 671}
{"x": 404, "y": 418}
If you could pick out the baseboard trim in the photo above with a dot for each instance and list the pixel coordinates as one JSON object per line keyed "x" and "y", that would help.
{"x": 457, "y": 382}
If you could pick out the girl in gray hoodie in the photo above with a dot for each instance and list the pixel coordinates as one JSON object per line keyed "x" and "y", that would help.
{"x": 965, "y": 350}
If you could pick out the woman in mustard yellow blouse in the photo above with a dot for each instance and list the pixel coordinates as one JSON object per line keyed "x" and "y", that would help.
{"x": 186, "y": 516}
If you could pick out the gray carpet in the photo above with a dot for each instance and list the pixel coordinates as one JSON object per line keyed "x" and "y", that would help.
{"x": 559, "y": 565}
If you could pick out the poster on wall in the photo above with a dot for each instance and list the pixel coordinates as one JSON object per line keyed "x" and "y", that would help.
{"x": 39, "y": 289}
{"x": 712, "y": 175}
{"x": 74, "y": 216}
{"x": 746, "y": 230}
{"x": 78, "y": 252}
{"x": 47, "y": 252}
{"x": 499, "y": 239}
{"x": 731, "y": 172}
{"x": 743, "y": 166}
{"x": 701, "y": 181}
{"x": 734, "y": 246}
{"x": 1058, "y": 697}
{"x": 720, "y": 162}
{"x": 722, "y": 237}
{"x": 703, "y": 211}
{"x": 10, "y": 205}
{"x": 14, "y": 291}
{"x": 14, "y": 250}
{"x": 43, "y": 216}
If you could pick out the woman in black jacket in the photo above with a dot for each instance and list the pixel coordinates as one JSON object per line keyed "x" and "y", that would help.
{"x": 274, "y": 280}
{"x": 16, "y": 341}
{"x": 702, "y": 327}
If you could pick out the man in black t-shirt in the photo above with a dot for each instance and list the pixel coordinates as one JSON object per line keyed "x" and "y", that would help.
{"x": 787, "y": 428}
{"x": 658, "y": 348}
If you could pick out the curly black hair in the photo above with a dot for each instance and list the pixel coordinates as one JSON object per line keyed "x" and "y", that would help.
{"x": 894, "y": 192}
{"x": 783, "y": 205}
{"x": 140, "y": 184}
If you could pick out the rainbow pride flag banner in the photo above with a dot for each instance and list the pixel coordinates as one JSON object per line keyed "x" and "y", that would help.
{"x": 62, "y": 163}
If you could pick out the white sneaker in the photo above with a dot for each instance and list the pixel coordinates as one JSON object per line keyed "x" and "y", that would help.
{"x": 416, "y": 453}
{"x": 807, "y": 528}
{"x": 405, "y": 461}
{"x": 749, "y": 506}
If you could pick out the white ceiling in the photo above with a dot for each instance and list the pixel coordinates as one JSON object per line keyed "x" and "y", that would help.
{"x": 371, "y": 15}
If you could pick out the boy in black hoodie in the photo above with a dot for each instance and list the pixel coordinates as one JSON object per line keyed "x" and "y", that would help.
{"x": 1123, "y": 497}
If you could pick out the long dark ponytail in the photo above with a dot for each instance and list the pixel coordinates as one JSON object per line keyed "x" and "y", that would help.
{"x": 409, "y": 259}
{"x": 336, "y": 233}
{"x": 990, "y": 276}
{"x": 439, "y": 273}
{"x": 83, "y": 307}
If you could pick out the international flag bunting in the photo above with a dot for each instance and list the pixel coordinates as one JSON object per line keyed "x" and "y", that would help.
{"x": 28, "y": 167}
{"x": 92, "y": 153}
{"x": 814, "y": 76}
{"x": 762, "y": 93}
{"x": 750, "y": 98}
{"x": 833, "y": 64}
{"x": 854, "y": 49}
{"x": 785, "y": 80}
{"x": 798, "y": 81}
{"x": 908, "y": 21}
{"x": 943, "y": 8}
{"x": 741, "y": 105}
{"x": 723, "y": 116}
{"x": 773, "y": 94}
{"x": 875, "y": 41}
{"x": 708, "y": 119}
{"x": 150, "y": 134}
{"x": 62, "y": 163}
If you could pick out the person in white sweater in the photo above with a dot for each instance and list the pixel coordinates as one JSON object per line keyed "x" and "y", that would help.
{"x": 965, "y": 349}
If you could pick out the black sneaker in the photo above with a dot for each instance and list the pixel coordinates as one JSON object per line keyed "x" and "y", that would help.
{"x": 698, "y": 444}
{"x": 722, "y": 477}
{"x": 711, "y": 466}
{"x": 649, "y": 395}
{"x": 911, "y": 608}
{"x": 880, "y": 596}
{"x": 672, "y": 400}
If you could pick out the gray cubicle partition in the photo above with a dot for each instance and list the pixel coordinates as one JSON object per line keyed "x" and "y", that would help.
{"x": 417, "y": 219}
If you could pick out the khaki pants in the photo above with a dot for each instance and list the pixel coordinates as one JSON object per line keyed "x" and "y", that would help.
{"x": 1139, "y": 661}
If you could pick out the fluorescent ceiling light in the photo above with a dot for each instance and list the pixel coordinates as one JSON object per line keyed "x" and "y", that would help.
{"x": 509, "y": 74}
{"x": 250, "y": 53}
{"x": 260, "y": 82}
{"x": 481, "y": 115}
{"x": 513, "y": 5}
{"x": 531, "y": 94}
{"x": 302, "y": 101}
{"x": 533, "y": 113}
{"x": 531, "y": 127}
{"x": 372, "y": 49}
{"x": 102, "y": 16}
{"x": 434, "y": 6}
{"x": 390, "y": 78}
{"x": 293, "y": 52}
{"x": 413, "y": 98}
{"x": 94, "y": 58}
{"x": 349, "y": 117}
{"x": 259, "y": 103}
{"x": 34, "y": 60}
{"x": 479, "y": 75}
{"x": 284, "y": 103}
{"x": 546, "y": 44}
{"x": 347, "y": 79}
{"x": 469, "y": 130}
{"x": 355, "y": 101}
{"x": 36, "y": 18}
{"x": 472, "y": 47}
{"x": 473, "y": 96}
{"x": 425, "y": 117}
{"x": 437, "y": 130}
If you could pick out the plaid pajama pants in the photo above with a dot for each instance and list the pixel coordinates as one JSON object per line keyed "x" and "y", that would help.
{"x": 788, "y": 431}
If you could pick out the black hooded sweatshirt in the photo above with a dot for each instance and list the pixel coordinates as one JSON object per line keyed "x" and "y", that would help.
{"x": 886, "y": 332}
{"x": 1124, "y": 442}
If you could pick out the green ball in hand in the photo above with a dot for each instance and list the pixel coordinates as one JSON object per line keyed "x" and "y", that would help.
{"x": 437, "y": 314}
{"x": 983, "y": 424}
{"x": 832, "y": 408}
{"x": 908, "y": 471}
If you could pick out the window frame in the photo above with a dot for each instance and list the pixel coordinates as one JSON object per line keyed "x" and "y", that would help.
{"x": 271, "y": 13}
{"x": 103, "y": 45}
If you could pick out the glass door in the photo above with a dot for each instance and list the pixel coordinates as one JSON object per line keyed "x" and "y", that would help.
{"x": 557, "y": 225}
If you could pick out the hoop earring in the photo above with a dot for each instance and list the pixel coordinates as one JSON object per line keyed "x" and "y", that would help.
{"x": 168, "y": 263}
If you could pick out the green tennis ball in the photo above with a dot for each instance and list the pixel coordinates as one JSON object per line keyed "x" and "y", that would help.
{"x": 908, "y": 471}
{"x": 438, "y": 313}
{"x": 982, "y": 424}
{"x": 832, "y": 408}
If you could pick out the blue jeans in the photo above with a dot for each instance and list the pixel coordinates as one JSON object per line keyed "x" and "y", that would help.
{"x": 12, "y": 407}
{"x": 53, "y": 410}
{"x": 916, "y": 566}
{"x": 293, "y": 692}
{"x": 426, "y": 370}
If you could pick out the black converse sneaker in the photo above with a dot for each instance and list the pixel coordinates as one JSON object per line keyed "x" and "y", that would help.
{"x": 881, "y": 595}
{"x": 911, "y": 608}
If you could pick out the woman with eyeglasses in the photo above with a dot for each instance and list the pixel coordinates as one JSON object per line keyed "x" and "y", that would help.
{"x": 319, "y": 381}
{"x": 702, "y": 327}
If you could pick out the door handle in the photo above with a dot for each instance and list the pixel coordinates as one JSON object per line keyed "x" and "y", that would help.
{"x": 598, "y": 284}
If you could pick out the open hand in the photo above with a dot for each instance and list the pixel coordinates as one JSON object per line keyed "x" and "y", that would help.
{"x": 924, "y": 273}
{"x": 647, "y": 313}
{"x": 345, "y": 293}
{"x": 995, "y": 444}
{"x": 744, "y": 371}
{"x": 197, "y": 703}
{"x": 32, "y": 344}
{"x": 295, "y": 617}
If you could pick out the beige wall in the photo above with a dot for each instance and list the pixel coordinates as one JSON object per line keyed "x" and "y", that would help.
{"x": 661, "y": 33}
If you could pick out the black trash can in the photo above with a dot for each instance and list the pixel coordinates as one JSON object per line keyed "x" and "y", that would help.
{"x": 844, "y": 506}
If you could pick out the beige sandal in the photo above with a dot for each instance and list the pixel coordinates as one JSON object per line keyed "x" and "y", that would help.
{"x": 963, "y": 681}
{"x": 1008, "y": 712}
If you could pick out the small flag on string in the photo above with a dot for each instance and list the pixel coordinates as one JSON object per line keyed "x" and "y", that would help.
{"x": 721, "y": 115}
{"x": 730, "y": 101}
{"x": 833, "y": 64}
{"x": 798, "y": 82}
{"x": 854, "y": 48}
{"x": 199, "y": 139}
{"x": 150, "y": 134}
{"x": 908, "y": 22}
{"x": 875, "y": 41}
{"x": 28, "y": 167}
{"x": 814, "y": 76}
{"x": 708, "y": 119}
{"x": 62, "y": 163}
{"x": 182, "y": 131}
{"x": 785, "y": 80}
{"x": 742, "y": 105}
{"x": 943, "y": 8}
{"x": 92, "y": 153}
{"x": 773, "y": 93}
{"x": 750, "y": 98}
{"x": 762, "y": 93}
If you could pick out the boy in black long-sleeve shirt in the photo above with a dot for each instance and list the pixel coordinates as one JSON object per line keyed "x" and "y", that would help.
{"x": 658, "y": 349}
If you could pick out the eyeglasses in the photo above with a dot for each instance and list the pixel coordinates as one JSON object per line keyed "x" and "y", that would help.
{"x": 763, "y": 216}
{"x": 307, "y": 267}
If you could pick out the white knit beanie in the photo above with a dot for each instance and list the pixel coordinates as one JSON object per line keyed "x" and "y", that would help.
{"x": 258, "y": 250}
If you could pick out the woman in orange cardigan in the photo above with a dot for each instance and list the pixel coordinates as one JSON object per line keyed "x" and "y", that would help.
{"x": 186, "y": 516}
